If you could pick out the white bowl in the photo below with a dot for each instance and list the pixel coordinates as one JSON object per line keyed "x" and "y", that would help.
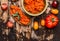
{"x": 46, "y": 5}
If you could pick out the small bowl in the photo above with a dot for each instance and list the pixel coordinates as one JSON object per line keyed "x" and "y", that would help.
{"x": 46, "y": 5}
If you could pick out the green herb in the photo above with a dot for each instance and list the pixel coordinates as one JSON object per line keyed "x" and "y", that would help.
{"x": 16, "y": 15}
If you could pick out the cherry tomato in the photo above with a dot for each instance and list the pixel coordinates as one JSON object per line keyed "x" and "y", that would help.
{"x": 4, "y": 6}
{"x": 35, "y": 25}
{"x": 42, "y": 22}
{"x": 9, "y": 24}
{"x": 54, "y": 11}
{"x": 55, "y": 4}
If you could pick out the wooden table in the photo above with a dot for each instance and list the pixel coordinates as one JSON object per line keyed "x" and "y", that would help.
{"x": 18, "y": 33}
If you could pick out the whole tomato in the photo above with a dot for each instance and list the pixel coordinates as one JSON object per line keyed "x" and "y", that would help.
{"x": 4, "y": 6}
{"x": 10, "y": 24}
{"x": 51, "y": 21}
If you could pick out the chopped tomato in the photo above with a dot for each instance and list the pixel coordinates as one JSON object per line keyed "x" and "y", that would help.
{"x": 23, "y": 18}
{"x": 34, "y": 6}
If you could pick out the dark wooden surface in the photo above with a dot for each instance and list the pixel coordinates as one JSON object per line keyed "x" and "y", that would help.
{"x": 12, "y": 34}
{"x": 57, "y": 29}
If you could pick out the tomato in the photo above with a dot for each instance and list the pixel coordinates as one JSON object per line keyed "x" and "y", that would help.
{"x": 51, "y": 21}
{"x": 35, "y": 25}
{"x": 42, "y": 22}
{"x": 55, "y": 3}
{"x": 4, "y": 6}
{"x": 54, "y": 11}
{"x": 9, "y": 24}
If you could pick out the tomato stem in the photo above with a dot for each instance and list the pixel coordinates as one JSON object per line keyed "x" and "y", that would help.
{"x": 52, "y": 19}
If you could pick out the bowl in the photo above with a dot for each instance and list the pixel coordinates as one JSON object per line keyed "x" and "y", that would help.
{"x": 37, "y": 14}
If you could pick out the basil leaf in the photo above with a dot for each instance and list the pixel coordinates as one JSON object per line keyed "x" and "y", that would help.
{"x": 16, "y": 14}
{"x": 18, "y": 17}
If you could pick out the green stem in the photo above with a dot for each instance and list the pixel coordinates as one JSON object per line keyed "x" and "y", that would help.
{"x": 53, "y": 20}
